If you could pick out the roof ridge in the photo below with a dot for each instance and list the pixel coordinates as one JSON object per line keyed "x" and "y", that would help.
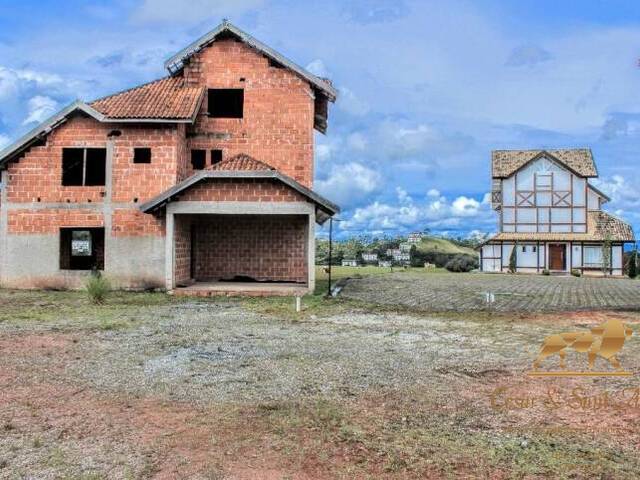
{"x": 131, "y": 89}
{"x": 241, "y": 157}
{"x": 177, "y": 61}
{"x": 540, "y": 149}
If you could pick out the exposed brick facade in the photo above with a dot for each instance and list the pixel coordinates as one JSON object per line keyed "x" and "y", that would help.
{"x": 50, "y": 221}
{"x": 182, "y": 239}
{"x": 253, "y": 190}
{"x": 277, "y": 126}
{"x": 261, "y": 247}
{"x": 277, "y": 129}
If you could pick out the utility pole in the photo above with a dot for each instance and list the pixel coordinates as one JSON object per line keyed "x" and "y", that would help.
{"x": 330, "y": 251}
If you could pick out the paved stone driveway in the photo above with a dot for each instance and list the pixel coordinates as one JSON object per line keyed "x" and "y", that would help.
{"x": 466, "y": 291}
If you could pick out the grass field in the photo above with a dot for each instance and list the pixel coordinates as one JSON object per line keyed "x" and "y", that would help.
{"x": 442, "y": 245}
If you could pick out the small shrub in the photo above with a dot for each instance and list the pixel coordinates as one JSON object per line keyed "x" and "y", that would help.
{"x": 546, "y": 272}
{"x": 462, "y": 263}
{"x": 98, "y": 287}
{"x": 576, "y": 273}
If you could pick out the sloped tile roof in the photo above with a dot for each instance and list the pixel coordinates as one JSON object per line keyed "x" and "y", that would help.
{"x": 600, "y": 225}
{"x": 505, "y": 162}
{"x": 168, "y": 98}
{"x": 242, "y": 163}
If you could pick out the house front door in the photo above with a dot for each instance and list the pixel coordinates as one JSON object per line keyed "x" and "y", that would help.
{"x": 557, "y": 257}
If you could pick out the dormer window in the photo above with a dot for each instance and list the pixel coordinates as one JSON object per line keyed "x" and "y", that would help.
{"x": 226, "y": 102}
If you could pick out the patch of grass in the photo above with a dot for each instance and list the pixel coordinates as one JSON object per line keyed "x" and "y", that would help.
{"x": 413, "y": 437}
{"x": 98, "y": 287}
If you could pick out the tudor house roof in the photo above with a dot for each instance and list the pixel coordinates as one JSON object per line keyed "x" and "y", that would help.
{"x": 505, "y": 163}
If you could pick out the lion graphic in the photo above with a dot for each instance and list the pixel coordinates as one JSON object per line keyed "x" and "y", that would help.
{"x": 604, "y": 341}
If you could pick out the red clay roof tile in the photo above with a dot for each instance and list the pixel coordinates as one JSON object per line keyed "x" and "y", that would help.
{"x": 241, "y": 162}
{"x": 167, "y": 98}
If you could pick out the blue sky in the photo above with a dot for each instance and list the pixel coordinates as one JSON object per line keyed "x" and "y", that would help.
{"x": 427, "y": 88}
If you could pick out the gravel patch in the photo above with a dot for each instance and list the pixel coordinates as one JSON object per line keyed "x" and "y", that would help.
{"x": 222, "y": 353}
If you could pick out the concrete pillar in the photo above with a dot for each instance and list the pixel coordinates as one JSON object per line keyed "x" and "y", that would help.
{"x": 311, "y": 252}
{"x": 107, "y": 208}
{"x": 169, "y": 247}
{"x": 4, "y": 180}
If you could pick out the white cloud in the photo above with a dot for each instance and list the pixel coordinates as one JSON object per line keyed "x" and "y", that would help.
{"x": 4, "y": 141}
{"x": 40, "y": 108}
{"x": 465, "y": 207}
{"x": 351, "y": 103}
{"x": 318, "y": 68}
{"x": 435, "y": 212}
{"x": 197, "y": 10}
{"x": 625, "y": 196}
{"x": 357, "y": 141}
{"x": 13, "y": 82}
{"x": 433, "y": 192}
{"x": 350, "y": 183}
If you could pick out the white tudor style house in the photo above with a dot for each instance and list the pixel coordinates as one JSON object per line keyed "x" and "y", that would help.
{"x": 551, "y": 214}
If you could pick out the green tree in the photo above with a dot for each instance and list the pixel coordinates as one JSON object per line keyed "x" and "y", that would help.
{"x": 633, "y": 263}
{"x": 513, "y": 259}
{"x": 606, "y": 255}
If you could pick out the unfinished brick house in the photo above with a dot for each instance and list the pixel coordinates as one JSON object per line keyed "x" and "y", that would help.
{"x": 201, "y": 180}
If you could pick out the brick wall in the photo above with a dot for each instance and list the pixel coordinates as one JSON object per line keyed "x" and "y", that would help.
{"x": 182, "y": 235}
{"x": 247, "y": 190}
{"x": 269, "y": 247}
{"x": 277, "y": 127}
{"x": 50, "y": 220}
{"x": 133, "y": 223}
{"x": 38, "y": 175}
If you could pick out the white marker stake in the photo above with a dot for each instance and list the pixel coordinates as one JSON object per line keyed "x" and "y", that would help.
{"x": 298, "y": 304}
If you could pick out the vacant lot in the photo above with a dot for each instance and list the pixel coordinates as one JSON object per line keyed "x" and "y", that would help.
{"x": 461, "y": 292}
{"x": 148, "y": 386}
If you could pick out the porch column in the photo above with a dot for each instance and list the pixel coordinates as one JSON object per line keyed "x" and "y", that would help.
{"x": 169, "y": 242}
{"x": 311, "y": 253}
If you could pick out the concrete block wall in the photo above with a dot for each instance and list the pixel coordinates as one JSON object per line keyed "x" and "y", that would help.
{"x": 265, "y": 247}
{"x": 277, "y": 126}
{"x": 182, "y": 246}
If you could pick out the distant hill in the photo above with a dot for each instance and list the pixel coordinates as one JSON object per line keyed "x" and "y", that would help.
{"x": 442, "y": 245}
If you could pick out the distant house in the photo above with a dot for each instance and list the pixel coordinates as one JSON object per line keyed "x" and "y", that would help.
{"x": 385, "y": 263}
{"x": 552, "y": 216}
{"x": 405, "y": 247}
{"x": 402, "y": 257}
{"x": 349, "y": 262}
{"x": 393, "y": 251}
{"x": 370, "y": 257}
{"x": 415, "y": 237}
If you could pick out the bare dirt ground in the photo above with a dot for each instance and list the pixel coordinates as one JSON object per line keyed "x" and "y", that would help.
{"x": 153, "y": 387}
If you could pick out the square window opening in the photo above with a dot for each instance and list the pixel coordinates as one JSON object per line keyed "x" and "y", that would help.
{"x": 216, "y": 156}
{"x": 82, "y": 248}
{"x": 198, "y": 159}
{"x": 84, "y": 166}
{"x": 141, "y": 155}
{"x": 226, "y": 102}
